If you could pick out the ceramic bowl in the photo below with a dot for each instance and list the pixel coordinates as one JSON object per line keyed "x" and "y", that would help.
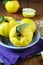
{"x": 6, "y": 43}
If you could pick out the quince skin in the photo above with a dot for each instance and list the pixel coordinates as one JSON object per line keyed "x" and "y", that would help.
{"x": 31, "y": 23}
{"x": 22, "y": 37}
{"x": 6, "y": 23}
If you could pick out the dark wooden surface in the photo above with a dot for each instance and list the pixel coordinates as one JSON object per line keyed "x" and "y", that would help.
{"x": 36, "y": 60}
{"x": 36, "y": 4}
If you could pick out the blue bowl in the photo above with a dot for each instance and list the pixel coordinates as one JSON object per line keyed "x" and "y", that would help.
{"x": 6, "y": 43}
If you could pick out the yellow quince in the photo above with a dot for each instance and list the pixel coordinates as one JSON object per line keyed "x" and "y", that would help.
{"x": 12, "y": 22}
{"x": 31, "y": 23}
{"x": 4, "y": 29}
{"x": 21, "y": 35}
{"x": 6, "y": 23}
{"x": 12, "y": 6}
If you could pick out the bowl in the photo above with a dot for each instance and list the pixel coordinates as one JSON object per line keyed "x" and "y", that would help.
{"x": 6, "y": 43}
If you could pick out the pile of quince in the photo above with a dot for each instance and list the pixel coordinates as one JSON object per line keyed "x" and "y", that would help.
{"x": 20, "y": 34}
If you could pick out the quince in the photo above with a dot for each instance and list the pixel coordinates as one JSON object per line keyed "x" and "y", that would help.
{"x": 31, "y": 23}
{"x": 20, "y": 36}
{"x": 42, "y": 54}
{"x": 12, "y": 22}
{"x": 4, "y": 29}
{"x": 6, "y": 23}
{"x": 12, "y": 6}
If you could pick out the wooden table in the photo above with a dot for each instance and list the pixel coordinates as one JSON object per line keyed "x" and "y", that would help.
{"x": 38, "y": 5}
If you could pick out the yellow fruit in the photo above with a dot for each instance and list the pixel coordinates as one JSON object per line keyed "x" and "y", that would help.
{"x": 12, "y": 22}
{"x": 6, "y": 24}
{"x": 31, "y": 23}
{"x": 28, "y": 12}
{"x": 42, "y": 54}
{"x": 4, "y": 29}
{"x": 12, "y": 6}
{"x": 24, "y": 39}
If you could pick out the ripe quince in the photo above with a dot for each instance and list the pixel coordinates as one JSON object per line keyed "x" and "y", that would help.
{"x": 12, "y": 22}
{"x": 31, "y": 23}
{"x": 42, "y": 54}
{"x": 12, "y": 6}
{"x": 6, "y": 23}
{"x": 20, "y": 36}
{"x": 4, "y": 29}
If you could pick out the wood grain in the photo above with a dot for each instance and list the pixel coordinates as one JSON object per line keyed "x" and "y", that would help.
{"x": 36, "y": 60}
{"x": 36, "y": 4}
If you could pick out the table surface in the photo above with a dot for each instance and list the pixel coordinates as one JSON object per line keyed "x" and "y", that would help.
{"x": 38, "y": 5}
